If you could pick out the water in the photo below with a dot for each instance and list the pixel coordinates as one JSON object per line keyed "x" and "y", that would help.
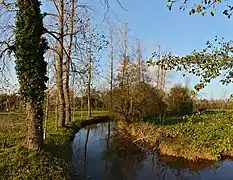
{"x": 100, "y": 154}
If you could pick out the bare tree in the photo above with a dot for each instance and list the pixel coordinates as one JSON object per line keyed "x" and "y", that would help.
{"x": 111, "y": 63}
{"x": 67, "y": 66}
{"x": 66, "y": 32}
{"x": 89, "y": 73}
{"x": 125, "y": 58}
{"x": 60, "y": 44}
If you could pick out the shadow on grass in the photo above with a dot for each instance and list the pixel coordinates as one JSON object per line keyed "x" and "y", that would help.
{"x": 168, "y": 121}
{"x": 173, "y": 120}
{"x": 20, "y": 163}
{"x": 59, "y": 146}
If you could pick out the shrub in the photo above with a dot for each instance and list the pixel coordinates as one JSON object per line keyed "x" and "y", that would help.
{"x": 138, "y": 102}
{"x": 180, "y": 101}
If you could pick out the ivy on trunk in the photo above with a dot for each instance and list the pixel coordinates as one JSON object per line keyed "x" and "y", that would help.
{"x": 30, "y": 47}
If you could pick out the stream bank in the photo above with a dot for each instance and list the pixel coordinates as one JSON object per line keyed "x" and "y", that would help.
{"x": 198, "y": 137}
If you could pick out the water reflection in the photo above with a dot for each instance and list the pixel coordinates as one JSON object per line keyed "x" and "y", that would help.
{"x": 107, "y": 147}
{"x": 85, "y": 148}
{"x": 99, "y": 153}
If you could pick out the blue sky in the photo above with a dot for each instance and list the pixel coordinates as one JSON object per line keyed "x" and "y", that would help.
{"x": 176, "y": 30}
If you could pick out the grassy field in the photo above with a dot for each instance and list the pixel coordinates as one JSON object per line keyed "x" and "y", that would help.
{"x": 200, "y": 136}
{"x": 19, "y": 163}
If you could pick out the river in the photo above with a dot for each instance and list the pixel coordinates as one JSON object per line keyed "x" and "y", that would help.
{"x": 99, "y": 153}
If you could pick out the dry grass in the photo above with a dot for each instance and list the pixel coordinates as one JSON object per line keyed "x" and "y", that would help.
{"x": 179, "y": 148}
{"x": 4, "y": 124}
{"x": 141, "y": 133}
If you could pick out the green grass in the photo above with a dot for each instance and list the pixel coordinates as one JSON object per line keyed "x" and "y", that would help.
{"x": 206, "y": 135}
{"x": 212, "y": 133}
{"x": 19, "y": 163}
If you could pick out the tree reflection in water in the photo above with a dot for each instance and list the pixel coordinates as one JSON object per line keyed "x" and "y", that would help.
{"x": 124, "y": 158}
{"x": 85, "y": 149}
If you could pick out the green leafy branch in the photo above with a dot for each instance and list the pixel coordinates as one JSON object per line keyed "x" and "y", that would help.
{"x": 213, "y": 61}
{"x": 203, "y": 6}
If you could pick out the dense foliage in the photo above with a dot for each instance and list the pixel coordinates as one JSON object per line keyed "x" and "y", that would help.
{"x": 180, "y": 100}
{"x": 29, "y": 50}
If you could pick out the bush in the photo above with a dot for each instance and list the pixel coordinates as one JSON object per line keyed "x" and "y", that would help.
{"x": 138, "y": 102}
{"x": 180, "y": 101}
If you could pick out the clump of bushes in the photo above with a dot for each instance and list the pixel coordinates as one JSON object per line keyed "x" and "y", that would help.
{"x": 138, "y": 102}
{"x": 143, "y": 101}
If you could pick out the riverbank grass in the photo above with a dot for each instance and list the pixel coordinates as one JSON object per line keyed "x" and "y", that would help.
{"x": 201, "y": 136}
{"x": 19, "y": 163}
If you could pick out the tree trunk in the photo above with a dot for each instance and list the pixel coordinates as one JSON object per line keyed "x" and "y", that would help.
{"x": 164, "y": 79}
{"x": 46, "y": 111}
{"x": 89, "y": 74}
{"x": 46, "y": 114}
{"x": 67, "y": 105}
{"x": 61, "y": 120}
{"x": 67, "y": 71}
{"x": 67, "y": 100}
{"x": 158, "y": 73}
{"x": 35, "y": 126}
{"x": 56, "y": 111}
{"x": 61, "y": 99}
{"x": 111, "y": 66}
{"x": 125, "y": 59}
